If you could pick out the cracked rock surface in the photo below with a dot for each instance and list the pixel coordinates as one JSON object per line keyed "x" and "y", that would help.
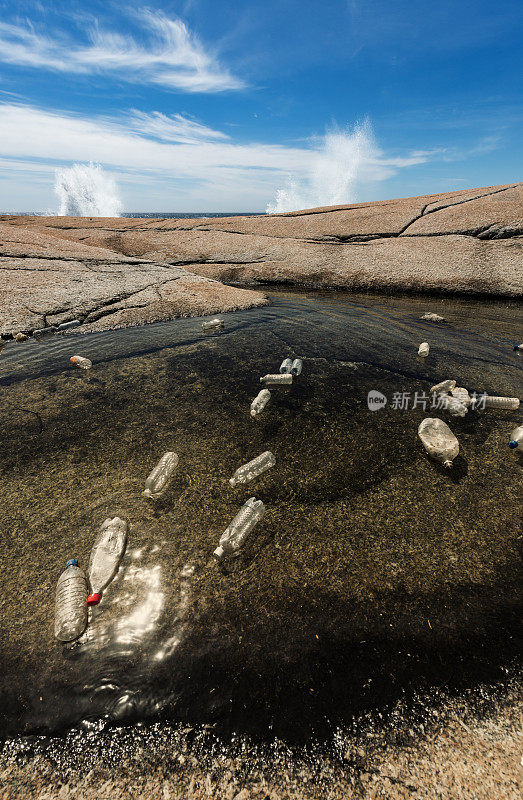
{"x": 115, "y": 272}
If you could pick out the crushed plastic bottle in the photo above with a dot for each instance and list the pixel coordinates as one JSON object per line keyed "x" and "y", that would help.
{"x": 432, "y": 317}
{"x": 44, "y": 333}
{"x": 462, "y": 395}
{"x": 80, "y": 361}
{"x": 20, "y": 337}
{"x": 444, "y": 387}
{"x": 438, "y": 440}
{"x": 107, "y": 552}
{"x": 254, "y": 468}
{"x": 506, "y": 403}
{"x": 160, "y": 478}
{"x": 297, "y": 366}
{"x": 71, "y": 607}
{"x": 423, "y": 349}
{"x": 68, "y": 326}
{"x": 277, "y": 380}
{"x": 237, "y": 532}
{"x": 516, "y": 437}
{"x": 213, "y": 324}
{"x": 451, "y": 404}
{"x": 286, "y": 365}
{"x": 259, "y": 402}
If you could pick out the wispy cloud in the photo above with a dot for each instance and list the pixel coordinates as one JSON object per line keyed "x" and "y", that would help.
{"x": 174, "y": 57}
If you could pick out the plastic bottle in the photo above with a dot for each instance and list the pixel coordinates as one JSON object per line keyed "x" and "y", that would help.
{"x": 68, "y": 326}
{"x": 160, "y": 478}
{"x": 235, "y": 535}
{"x": 44, "y": 333}
{"x": 71, "y": 607}
{"x": 212, "y": 324}
{"x": 451, "y": 404}
{"x": 518, "y": 347}
{"x": 461, "y": 394}
{"x": 438, "y": 440}
{"x": 254, "y": 468}
{"x": 259, "y": 402}
{"x": 423, "y": 349}
{"x": 107, "y": 552}
{"x": 433, "y": 317}
{"x": 286, "y": 365}
{"x": 277, "y": 380}
{"x": 516, "y": 437}
{"x": 20, "y": 337}
{"x": 444, "y": 387}
{"x": 80, "y": 361}
{"x": 297, "y": 366}
{"x": 507, "y": 403}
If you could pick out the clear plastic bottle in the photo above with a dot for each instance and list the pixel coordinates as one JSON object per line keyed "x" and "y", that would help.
{"x": 259, "y": 402}
{"x": 507, "y": 403}
{"x": 444, "y": 387}
{"x": 432, "y": 317}
{"x": 462, "y": 395}
{"x": 297, "y": 366}
{"x": 277, "y": 380}
{"x": 19, "y": 337}
{"x": 236, "y": 534}
{"x": 71, "y": 607}
{"x": 453, "y": 405}
{"x": 160, "y": 478}
{"x": 107, "y": 552}
{"x": 423, "y": 349}
{"x": 213, "y": 324}
{"x": 80, "y": 361}
{"x": 516, "y": 438}
{"x": 68, "y": 326}
{"x": 286, "y": 365}
{"x": 518, "y": 347}
{"x": 438, "y": 440}
{"x": 254, "y": 468}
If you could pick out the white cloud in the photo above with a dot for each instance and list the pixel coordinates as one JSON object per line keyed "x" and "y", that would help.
{"x": 173, "y": 128}
{"x": 174, "y": 58}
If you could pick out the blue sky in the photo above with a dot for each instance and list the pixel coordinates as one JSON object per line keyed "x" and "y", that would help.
{"x": 214, "y": 105}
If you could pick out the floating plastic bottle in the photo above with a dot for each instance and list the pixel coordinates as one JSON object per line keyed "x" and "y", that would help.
{"x": 462, "y": 395}
{"x": 277, "y": 380}
{"x": 44, "y": 333}
{"x": 297, "y": 366}
{"x": 516, "y": 437}
{"x": 71, "y": 607}
{"x": 68, "y": 326}
{"x": 160, "y": 478}
{"x": 438, "y": 440}
{"x": 254, "y": 468}
{"x": 213, "y": 324}
{"x": 444, "y": 387}
{"x": 423, "y": 349}
{"x": 518, "y": 347}
{"x": 236, "y": 534}
{"x": 507, "y": 403}
{"x": 433, "y": 317}
{"x": 259, "y": 402}
{"x": 286, "y": 365}
{"x": 80, "y": 361}
{"x": 107, "y": 552}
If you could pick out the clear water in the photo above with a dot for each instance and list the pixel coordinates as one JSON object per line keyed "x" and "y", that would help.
{"x": 375, "y": 574}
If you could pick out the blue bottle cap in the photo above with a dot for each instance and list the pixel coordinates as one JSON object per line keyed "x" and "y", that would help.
{"x": 513, "y": 444}
{"x": 516, "y": 347}
{"x": 73, "y": 562}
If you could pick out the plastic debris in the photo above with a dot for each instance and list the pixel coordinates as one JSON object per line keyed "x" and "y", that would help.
{"x": 286, "y": 365}
{"x": 254, "y": 468}
{"x": 451, "y": 404}
{"x": 213, "y": 324}
{"x": 107, "y": 552}
{"x": 259, "y": 402}
{"x": 444, "y": 387}
{"x": 80, "y": 361}
{"x": 68, "y": 326}
{"x": 423, "y": 349}
{"x": 297, "y": 366}
{"x": 21, "y": 337}
{"x": 160, "y": 478}
{"x": 44, "y": 333}
{"x": 507, "y": 403}
{"x": 438, "y": 440}
{"x": 236, "y": 534}
{"x": 516, "y": 437}
{"x": 277, "y": 380}
{"x": 71, "y": 607}
{"x": 518, "y": 347}
{"x": 461, "y": 395}
{"x": 432, "y": 317}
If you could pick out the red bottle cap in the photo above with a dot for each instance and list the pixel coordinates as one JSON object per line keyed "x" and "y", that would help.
{"x": 93, "y": 599}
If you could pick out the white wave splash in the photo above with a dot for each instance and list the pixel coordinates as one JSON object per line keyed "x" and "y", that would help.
{"x": 85, "y": 190}
{"x": 345, "y": 160}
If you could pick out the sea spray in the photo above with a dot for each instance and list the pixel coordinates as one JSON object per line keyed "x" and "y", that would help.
{"x": 85, "y": 190}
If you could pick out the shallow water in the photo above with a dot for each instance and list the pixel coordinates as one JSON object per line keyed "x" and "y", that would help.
{"x": 374, "y": 574}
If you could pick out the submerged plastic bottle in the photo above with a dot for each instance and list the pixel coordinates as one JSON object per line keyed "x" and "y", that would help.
{"x": 438, "y": 440}
{"x": 286, "y": 365}
{"x": 297, "y": 366}
{"x": 516, "y": 437}
{"x": 423, "y": 349}
{"x": 107, "y": 552}
{"x": 277, "y": 380}
{"x": 80, "y": 361}
{"x": 160, "y": 478}
{"x": 254, "y": 468}
{"x": 444, "y": 387}
{"x": 259, "y": 402}
{"x": 44, "y": 333}
{"x": 213, "y": 324}
{"x": 235, "y": 535}
{"x": 71, "y": 608}
{"x": 507, "y": 403}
